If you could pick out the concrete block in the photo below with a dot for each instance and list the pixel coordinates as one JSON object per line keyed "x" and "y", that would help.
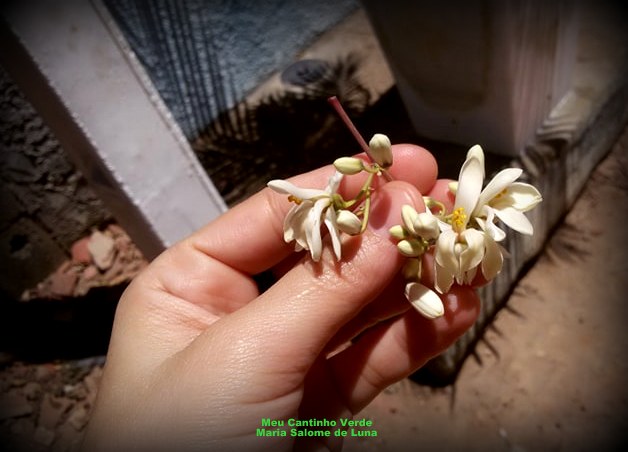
{"x": 486, "y": 72}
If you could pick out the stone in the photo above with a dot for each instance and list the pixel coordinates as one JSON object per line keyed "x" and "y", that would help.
{"x": 27, "y": 254}
{"x": 32, "y": 390}
{"x": 45, "y": 372}
{"x": 10, "y": 208}
{"x": 79, "y": 417}
{"x": 91, "y": 382}
{"x": 22, "y": 427}
{"x": 102, "y": 249}
{"x": 44, "y": 436}
{"x": 90, "y": 273}
{"x": 63, "y": 282}
{"x": 51, "y": 411}
{"x": 80, "y": 252}
{"x": 48, "y": 413}
{"x": 14, "y": 405}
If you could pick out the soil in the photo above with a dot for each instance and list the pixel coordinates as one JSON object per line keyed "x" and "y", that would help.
{"x": 549, "y": 374}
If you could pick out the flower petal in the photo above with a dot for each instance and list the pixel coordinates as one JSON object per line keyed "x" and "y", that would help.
{"x": 470, "y": 275}
{"x": 445, "y": 256}
{"x": 444, "y": 278}
{"x": 519, "y": 195}
{"x": 424, "y": 300}
{"x": 493, "y": 259}
{"x": 515, "y": 220}
{"x": 500, "y": 182}
{"x": 469, "y": 184}
{"x": 331, "y": 223}
{"x": 477, "y": 152}
{"x": 313, "y": 228}
{"x": 489, "y": 226}
{"x": 294, "y": 224}
{"x": 473, "y": 253}
{"x": 287, "y": 188}
{"x": 334, "y": 183}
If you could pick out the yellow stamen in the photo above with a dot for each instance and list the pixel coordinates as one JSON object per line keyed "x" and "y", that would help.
{"x": 295, "y": 200}
{"x": 501, "y": 194}
{"x": 458, "y": 219}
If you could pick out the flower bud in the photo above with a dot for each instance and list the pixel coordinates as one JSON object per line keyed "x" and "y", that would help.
{"x": 398, "y": 232}
{"x": 412, "y": 269}
{"x": 424, "y": 300}
{"x": 348, "y": 222}
{"x": 349, "y": 165}
{"x": 408, "y": 215}
{"x": 411, "y": 248}
{"x": 381, "y": 150}
{"x": 426, "y": 226}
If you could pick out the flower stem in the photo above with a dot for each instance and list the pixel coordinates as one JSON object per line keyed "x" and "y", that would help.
{"x": 345, "y": 118}
{"x": 354, "y": 131}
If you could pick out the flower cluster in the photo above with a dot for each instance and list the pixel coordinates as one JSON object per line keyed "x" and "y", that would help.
{"x": 464, "y": 242}
{"x": 314, "y": 207}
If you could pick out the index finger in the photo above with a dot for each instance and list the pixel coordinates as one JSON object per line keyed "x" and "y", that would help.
{"x": 249, "y": 237}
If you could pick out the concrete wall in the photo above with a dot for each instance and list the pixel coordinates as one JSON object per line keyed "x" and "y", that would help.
{"x": 45, "y": 204}
{"x": 203, "y": 56}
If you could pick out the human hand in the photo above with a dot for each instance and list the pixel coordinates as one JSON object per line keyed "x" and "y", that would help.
{"x": 198, "y": 357}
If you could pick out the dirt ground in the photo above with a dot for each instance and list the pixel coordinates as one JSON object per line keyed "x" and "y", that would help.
{"x": 552, "y": 372}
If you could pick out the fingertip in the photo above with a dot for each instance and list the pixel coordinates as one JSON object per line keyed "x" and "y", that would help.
{"x": 440, "y": 191}
{"x": 462, "y": 308}
{"x": 387, "y": 204}
{"x": 415, "y": 165}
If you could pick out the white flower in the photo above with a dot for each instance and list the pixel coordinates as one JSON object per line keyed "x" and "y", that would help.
{"x": 508, "y": 199}
{"x": 460, "y": 250}
{"x": 458, "y": 254}
{"x": 424, "y": 300}
{"x": 303, "y": 221}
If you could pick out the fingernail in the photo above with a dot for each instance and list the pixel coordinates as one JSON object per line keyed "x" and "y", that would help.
{"x": 387, "y": 203}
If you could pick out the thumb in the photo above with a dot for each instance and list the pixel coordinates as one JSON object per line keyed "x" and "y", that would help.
{"x": 300, "y": 314}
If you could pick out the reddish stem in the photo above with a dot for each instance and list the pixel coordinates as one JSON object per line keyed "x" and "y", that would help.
{"x": 345, "y": 118}
{"x": 354, "y": 131}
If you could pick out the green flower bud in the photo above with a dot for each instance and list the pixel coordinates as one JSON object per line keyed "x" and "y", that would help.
{"x": 412, "y": 269}
{"x": 381, "y": 150}
{"x": 424, "y": 300}
{"x": 411, "y": 248}
{"x": 349, "y": 165}
{"x": 408, "y": 215}
{"x": 348, "y": 222}
{"x": 398, "y": 232}
{"x": 426, "y": 226}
